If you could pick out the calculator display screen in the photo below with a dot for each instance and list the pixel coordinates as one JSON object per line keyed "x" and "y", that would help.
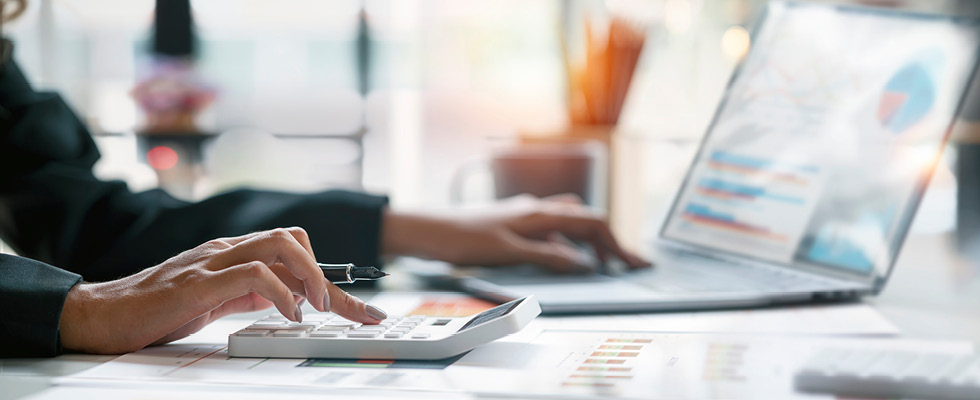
{"x": 491, "y": 314}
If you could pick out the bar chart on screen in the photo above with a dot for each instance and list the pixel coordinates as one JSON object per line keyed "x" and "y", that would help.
{"x": 755, "y": 203}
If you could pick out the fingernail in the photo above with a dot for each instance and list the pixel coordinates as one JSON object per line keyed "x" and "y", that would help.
{"x": 326, "y": 301}
{"x": 376, "y": 312}
{"x": 298, "y": 314}
{"x": 302, "y": 301}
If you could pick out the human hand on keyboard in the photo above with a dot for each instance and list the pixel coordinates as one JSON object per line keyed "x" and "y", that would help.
{"x": 185, "y": 293}
{"x": 522, "y": 229}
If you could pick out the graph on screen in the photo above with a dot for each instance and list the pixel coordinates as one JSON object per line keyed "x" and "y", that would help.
{"x": 907, "y": 98}
{"x": 819, "y": 149}
{"x": 738, "y": 194}
{"x": 747, "y": 201}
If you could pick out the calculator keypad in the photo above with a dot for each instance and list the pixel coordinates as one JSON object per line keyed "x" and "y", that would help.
{"x": 331, "y": 326}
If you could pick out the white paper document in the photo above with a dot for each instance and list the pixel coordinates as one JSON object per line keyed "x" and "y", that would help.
{"x": 641, "y": 365}
{"x": 598, "y": 356}
{"x": 210, "y": 363}
{"x": 81, "y": 390}
{"x": 562, "y": 363}
{"x": 828, "y": 319}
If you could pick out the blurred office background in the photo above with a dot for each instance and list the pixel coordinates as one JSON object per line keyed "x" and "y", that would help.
{"x": 444, "y": 78}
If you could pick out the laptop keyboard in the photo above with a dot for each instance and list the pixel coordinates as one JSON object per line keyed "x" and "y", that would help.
{"x": 691, "y": 272}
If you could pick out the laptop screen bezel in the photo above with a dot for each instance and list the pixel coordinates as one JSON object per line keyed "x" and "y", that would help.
{"x": 875, "y": 278}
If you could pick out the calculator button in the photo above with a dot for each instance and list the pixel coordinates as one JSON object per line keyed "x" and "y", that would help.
{"x": 270, "y": 323}
{"x": 374, "y": 328}
{"x": 290, "y": 325}
{"x": 420, "y": 335}
{"x": 393, "y": 335}
{"x": 292, "y": 333}
{"x": 332, "y": 328}
{"x": 400, "y": 330}
{"x": 293, "y": 328}
{"x": 325, "y": 333}
{"x": 252, "y": 332}
{"x": 364, "y": 334}
{"x": 267, "y": 327}
{"x": 345, "y": 324}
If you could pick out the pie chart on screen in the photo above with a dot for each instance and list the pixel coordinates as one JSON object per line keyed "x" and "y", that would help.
{"x": 908, "y": 97}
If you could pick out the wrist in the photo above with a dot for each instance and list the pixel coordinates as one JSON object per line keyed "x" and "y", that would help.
{"x": 75, "y": 315}
{"x": 413, "y": 234}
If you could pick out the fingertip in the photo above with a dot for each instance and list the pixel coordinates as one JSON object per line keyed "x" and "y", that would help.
{"x": 375, "y": 312}
{"x": 313, "y": 291}
{"x": 354, "y": 309}
{"x": 318, "y": 302}
{"x": 287, "y": 312}
{"x": 637, "y": 262}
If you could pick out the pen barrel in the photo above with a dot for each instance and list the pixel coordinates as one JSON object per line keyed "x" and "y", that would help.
{"x": 337, "y": 273}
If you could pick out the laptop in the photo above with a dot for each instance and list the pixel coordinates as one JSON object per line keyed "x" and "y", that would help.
{"x": 808, "y": 177}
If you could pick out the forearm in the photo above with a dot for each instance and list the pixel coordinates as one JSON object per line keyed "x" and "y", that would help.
{"x": 455, "y": 237}
{"x": 103, "y": 231}
{"x": 414, "y": 234}
{"x": 115, "y": 317}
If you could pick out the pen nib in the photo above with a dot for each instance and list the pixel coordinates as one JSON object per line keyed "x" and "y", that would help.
{"x": 367, "y": 273}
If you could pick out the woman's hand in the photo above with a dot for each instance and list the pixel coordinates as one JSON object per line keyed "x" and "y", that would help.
{"x": 518, "y": 230}
{"x": 185, "y": 293}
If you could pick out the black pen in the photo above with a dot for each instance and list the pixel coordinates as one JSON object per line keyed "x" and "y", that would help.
{"x": 348, "y": 273}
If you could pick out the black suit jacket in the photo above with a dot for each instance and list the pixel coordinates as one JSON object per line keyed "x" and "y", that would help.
{"x": 54, "y": 210}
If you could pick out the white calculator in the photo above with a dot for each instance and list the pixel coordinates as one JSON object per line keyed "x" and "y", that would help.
{"x": 327, "y": 335}
{"x": 891, "y": 374}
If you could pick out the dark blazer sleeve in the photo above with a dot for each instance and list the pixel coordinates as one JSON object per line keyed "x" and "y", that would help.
{"x": 32, "y": 294}
{"x": 53, "y": 209}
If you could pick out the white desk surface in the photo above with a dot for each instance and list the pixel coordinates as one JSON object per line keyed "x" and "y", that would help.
{"x": 932, "y": 295}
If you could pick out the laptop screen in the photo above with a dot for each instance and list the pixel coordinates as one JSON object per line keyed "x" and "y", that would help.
{"x": 826, "y": 137}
